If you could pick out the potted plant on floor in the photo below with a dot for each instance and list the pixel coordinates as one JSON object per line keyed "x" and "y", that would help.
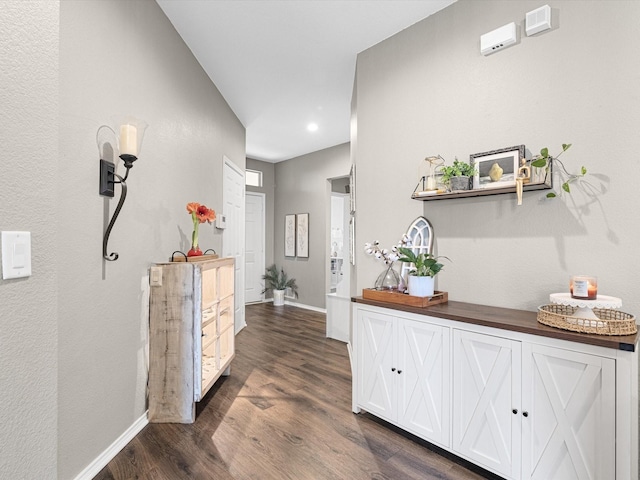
{"x": 422, "y": 277}
{"x": 278, "y": 281}
{"x": 457, "y": 176}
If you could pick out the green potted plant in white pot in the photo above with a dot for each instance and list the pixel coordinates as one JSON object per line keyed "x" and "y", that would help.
{"x": 422, "y": 276}
{"x": 277, "y": 281}
{"x": 457, "y": 176}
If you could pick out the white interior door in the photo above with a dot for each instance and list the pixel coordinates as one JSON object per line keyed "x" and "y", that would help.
{"x": 254, "y": 253}
{"x": 233, "y": 236}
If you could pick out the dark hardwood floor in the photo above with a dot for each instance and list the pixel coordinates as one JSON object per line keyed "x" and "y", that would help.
{"x": 284, "y": 413}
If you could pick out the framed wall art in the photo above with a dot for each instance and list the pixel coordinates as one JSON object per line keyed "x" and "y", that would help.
{"x": 302, "y": 235}
{"x": 497, "y": 168}
{"x": 289, "y": 235}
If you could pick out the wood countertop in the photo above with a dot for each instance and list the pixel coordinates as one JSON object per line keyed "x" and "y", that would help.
{"x": 507, "y": 319}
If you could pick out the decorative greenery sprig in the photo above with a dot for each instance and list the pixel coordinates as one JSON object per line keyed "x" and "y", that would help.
{"x": 543, "y": 160}
{"x": 426, "y": 265}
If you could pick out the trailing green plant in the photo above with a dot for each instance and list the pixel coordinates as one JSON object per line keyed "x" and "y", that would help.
{"x": 458, "y": 169}
{"x": 544, "y": 160}
{"x": 425, "y": 264}
{"x": 275, "y": 279}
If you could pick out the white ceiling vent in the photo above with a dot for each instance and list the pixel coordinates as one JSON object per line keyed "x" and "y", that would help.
{"x": 538, "y": 20}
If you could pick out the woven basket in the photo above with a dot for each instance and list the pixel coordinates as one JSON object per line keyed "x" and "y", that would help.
{"x": 609, "y": 322}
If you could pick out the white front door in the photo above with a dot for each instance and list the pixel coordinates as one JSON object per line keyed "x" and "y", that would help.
{"x": 233, "y": 236}
{"x": 254, "y": 253}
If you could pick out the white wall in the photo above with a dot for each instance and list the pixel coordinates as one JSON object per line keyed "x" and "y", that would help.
{"x": 120, "y": 57}
{"x": 428, "y": 90}
{"x": 302, "y": 187}
{"x": 28, "y": 201}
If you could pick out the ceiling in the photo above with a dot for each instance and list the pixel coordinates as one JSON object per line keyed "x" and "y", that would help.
{"x": 282, "y": 65}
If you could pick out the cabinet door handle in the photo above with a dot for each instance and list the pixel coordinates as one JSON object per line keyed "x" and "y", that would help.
{"x": 515, "y": 411}
{"x": 393, "y": 369}
{"x": 525, "y": 414}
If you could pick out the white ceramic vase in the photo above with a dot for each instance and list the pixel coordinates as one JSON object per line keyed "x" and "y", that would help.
{"x": 421, "y": 286}
{"x": 278, "y": 298}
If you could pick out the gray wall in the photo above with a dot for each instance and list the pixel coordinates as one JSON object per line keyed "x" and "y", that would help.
{"x": 268, "y": 188}
{"x": 428, "y": 90}
{"x": 116, "y": 58}
{"x": 28, "y": 201}
{"x": 302, "y": 186}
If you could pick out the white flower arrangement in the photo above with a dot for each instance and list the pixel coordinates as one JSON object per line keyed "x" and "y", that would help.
{"x": 386, "y": 255}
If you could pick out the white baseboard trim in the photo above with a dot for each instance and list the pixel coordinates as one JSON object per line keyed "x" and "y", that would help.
{"x": 105, "y": 457}
{"x": 307, "y": 307}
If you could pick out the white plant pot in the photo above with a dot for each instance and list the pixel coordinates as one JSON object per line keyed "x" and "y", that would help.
{"x": 278, "y": 298}
{"x": 421, "y": 286}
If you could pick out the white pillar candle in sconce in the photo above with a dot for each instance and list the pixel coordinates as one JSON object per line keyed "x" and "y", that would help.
{"x": 128, "y": 140}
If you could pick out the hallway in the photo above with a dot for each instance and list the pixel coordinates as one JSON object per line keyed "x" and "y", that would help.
{"x": 284, "y": 413}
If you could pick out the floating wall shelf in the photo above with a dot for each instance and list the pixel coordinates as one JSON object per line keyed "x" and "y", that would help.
{"x": 545, "y": 184}
{"x": 481, "y": 192}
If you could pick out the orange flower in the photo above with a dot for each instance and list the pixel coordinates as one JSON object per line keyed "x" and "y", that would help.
{"x": 192, "y": 207}
{"x": 205, "y": 214}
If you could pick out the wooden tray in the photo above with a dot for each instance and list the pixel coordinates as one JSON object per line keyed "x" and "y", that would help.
{"x": 389, "y": 296}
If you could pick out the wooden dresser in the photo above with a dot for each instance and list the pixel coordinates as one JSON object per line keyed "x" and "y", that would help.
{"x": 191, "y": 335}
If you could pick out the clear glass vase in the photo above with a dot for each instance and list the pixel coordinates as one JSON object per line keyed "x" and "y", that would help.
{"x": 389, "y": 279}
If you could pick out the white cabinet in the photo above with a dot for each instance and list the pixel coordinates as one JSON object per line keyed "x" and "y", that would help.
{"x": 403, "y": 373}
{"x": 520, "y": 405}
{"x": 486, "y": 400}
{"x": 191, "y": 335}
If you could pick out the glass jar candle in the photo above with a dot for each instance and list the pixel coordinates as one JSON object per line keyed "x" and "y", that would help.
{"x": 583, "y": 287}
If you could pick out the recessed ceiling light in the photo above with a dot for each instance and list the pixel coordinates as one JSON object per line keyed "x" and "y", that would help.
{"x": 312, "y": 127}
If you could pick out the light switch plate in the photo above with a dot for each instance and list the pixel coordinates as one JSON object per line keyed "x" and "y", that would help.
{"x": 155, "y": 276}
{"x": 16, "y": 254}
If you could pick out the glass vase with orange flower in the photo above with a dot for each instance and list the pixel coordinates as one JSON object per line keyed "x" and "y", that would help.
{"x": 199, "y": 214}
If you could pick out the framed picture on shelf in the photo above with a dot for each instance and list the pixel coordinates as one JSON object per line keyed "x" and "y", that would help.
{"x": 302, "y": 235}
{"x": 497, "y": 168}
{"x": 289, "y": 235}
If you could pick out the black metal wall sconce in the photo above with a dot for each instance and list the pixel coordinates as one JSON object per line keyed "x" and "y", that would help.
{"x": 129, "y": 145}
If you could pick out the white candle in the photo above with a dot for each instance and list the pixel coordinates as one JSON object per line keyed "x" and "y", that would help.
{"x": 128, "y": 140}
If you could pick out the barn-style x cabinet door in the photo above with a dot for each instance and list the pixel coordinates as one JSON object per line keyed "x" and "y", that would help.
{"x": 486, "y": 400}
{"x": 424, "y": 380}
{"x": 570, "y": 429}
{"x": 375, "y": 357}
